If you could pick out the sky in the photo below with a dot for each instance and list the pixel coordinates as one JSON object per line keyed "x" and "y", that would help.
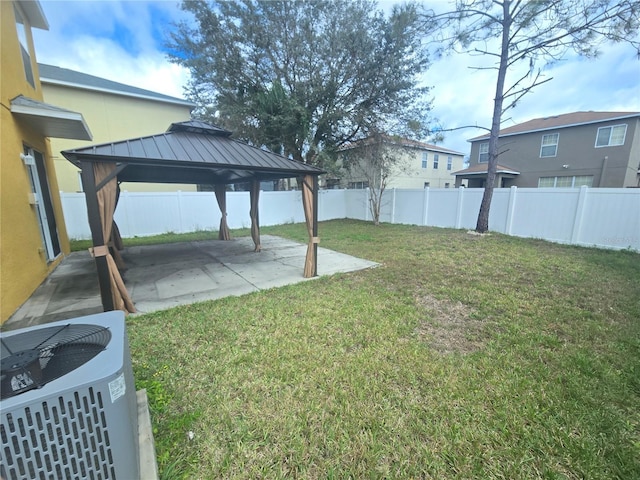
{"x": 124, "y": 41}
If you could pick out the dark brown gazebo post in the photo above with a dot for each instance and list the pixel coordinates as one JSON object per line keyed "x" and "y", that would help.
{"x": 99, "y": 180}
{"x": 97, "y": 235}
{"x": 316, "y": 239}
{"x": 254, "y": 198}
{"x": 310, "y": 205}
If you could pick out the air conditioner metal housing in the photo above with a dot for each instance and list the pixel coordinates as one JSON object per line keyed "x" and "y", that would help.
{"x": 82, "y": 425}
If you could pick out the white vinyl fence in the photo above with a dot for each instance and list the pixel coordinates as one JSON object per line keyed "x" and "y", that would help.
{"x": 602, "y": 217}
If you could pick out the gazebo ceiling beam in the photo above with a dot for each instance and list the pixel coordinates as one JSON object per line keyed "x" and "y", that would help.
{"x": 110, "y": 177}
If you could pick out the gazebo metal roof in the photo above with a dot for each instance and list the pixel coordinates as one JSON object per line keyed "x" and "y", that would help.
{"x": 191, "y": 152}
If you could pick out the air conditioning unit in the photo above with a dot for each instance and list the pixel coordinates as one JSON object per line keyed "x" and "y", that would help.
{"x": 68, "y": 403}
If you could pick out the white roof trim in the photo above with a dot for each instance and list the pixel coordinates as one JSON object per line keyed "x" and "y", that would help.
{"x": 463, "y": 174}
{"x": 51, "y": 121}
{"x": 34, "y": 13}
{"x": 81, "y": 86}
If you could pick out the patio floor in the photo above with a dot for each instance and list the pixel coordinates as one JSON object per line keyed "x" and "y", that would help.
{"x": 164, "y": 276}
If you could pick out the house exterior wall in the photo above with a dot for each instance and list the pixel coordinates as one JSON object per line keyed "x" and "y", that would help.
{"x": 409, "y": 171}
{"x": 417, "y": 176}
{"x": 577, "y": 155}
{"x": 23, "y": 262}
{"x": 111, "y": 117}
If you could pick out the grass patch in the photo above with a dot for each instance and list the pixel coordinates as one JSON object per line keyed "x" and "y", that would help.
{"x": 460, "y": 357}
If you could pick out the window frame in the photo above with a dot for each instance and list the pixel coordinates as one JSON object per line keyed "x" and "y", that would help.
{"x": 449, "y": 162}
{"x": 425, "y": 160}
{"x": 573, "y": 181}
{"x": 612, "y": 127}
{"x": 481, "y": 147}
{"x": 436, "y": 161}
{"x": 543, "y": 145}
{"x": 23, "y": 42}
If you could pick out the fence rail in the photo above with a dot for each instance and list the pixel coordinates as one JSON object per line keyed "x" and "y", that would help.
{"x": 602, "y": 217}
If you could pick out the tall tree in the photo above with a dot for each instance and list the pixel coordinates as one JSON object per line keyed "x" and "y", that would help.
{"x": 516, "y": 32}
{"x": 303, "y": 77}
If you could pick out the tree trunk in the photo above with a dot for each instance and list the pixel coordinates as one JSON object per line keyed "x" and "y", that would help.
{"x": 483, "y": 216}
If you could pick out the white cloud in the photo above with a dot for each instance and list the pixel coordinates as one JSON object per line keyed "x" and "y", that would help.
{"x": 116, "y": 42}
{"x": 119, "y": 41}
{"x": 465, "y": 97}
{"x": 107, "y": 59}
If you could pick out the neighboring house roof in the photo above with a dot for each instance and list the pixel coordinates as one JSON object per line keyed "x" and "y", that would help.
{"x": 403, "y": 142}
{"x": 53, "y": 75}
{"x": 560, "y": 121}
{"x": 191, "y": 152}
{"x": 481, "y": 169}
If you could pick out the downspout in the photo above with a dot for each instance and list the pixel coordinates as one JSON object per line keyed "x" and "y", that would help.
{"x": 605, "y": 160}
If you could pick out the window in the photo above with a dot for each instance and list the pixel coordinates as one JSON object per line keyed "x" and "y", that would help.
{"x": 611, "y": 136}
{"x": 449, "y": 163}
{"x": 358, "y": 185}
{"x": 426, "y": 184}
{"x": 446, "y": 185}
{"x": 546, "y": 182}
{"x": 483, "y": 156}
{"x": 24, "y": 46}
{"x": 549, "y": 146}
{"x": 424, "y": 159}
{"x": 565, "y": 182}
{"x": 436, "y": 158}
{"x": 580, "y": 180}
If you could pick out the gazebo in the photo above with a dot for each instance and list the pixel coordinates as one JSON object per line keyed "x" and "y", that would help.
{"x": 192, "y": 152}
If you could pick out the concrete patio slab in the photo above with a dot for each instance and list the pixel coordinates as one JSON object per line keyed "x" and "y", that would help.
{"x": 164, "y": 276}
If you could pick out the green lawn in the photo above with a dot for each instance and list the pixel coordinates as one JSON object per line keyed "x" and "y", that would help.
{"x": 461, "y": 356}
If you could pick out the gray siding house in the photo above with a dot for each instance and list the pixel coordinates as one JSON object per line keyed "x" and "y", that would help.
{"x": 597, "y": 149}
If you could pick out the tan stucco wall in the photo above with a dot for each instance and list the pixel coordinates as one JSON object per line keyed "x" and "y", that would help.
{"x": 416, "y": 176}
{"x": 111, "y": 118}
{"x": 23, "y": 263}
{"x": 408, "y": 171}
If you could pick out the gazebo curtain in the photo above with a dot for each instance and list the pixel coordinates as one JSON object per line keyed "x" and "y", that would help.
{"x": 115, "y": 241}
{"x": 221, "y": 196}
{"x": 254, "y": 195}
{"x": 107, "y": 204}
{"x": 308, "y": 204}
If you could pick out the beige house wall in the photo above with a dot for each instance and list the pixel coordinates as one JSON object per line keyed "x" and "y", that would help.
{"x": 416, "y": 176}
{"x": 409, "y": 172}
{"x": 111, "y": 117}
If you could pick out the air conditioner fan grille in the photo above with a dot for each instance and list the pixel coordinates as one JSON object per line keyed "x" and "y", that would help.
{"x": 31, "y": 359}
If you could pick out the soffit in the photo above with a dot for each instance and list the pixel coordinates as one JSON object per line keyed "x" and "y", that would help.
{"x": 49, "y": 120}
